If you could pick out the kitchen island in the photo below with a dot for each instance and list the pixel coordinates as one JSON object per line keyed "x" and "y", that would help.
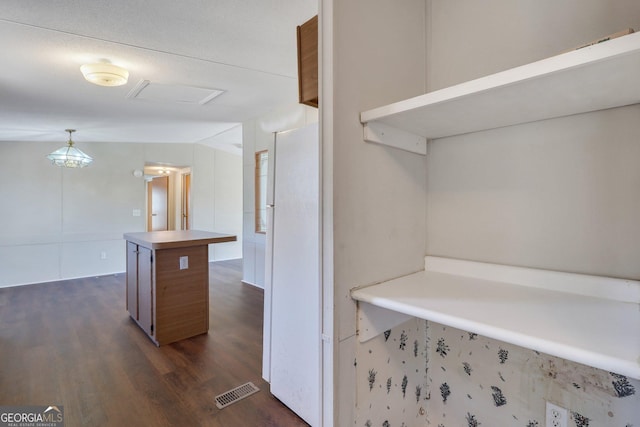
{"x": 168, "y": 282}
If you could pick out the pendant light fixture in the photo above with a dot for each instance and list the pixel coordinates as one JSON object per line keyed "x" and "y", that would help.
{"x": 69, "y": 156}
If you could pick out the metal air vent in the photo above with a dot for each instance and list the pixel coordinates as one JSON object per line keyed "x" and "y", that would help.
{"x": 232, "y": 396}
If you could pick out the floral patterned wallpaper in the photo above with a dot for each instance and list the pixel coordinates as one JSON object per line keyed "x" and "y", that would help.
{"x": 426, "y": 374}
{"x": 391, "y": 377}
{"x": 477, "y": 381}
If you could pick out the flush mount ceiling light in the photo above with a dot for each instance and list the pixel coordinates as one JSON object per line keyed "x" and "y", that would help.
{"x": 69, "y": 156}
{"x": 104, "y": 74}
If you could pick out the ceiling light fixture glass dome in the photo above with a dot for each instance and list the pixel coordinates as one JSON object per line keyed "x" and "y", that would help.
{"x": 104, "y": 74}
{"x": 69, "y": 156}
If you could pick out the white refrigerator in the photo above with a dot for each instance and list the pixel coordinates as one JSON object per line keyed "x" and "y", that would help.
{"x": 292, "y": 324}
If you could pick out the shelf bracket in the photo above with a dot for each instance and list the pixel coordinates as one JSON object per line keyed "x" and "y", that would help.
{"x": 373, "y": 320}
{"x": 393, "y": 137}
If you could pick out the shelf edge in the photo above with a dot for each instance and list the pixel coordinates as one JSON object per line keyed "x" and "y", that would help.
{"x": 466, "y": 107}
{"x": 563, "y": 62}
{"x": 553, "y": 348}
{"x": 623, "y": 292}
{"x": 608, "y": 288}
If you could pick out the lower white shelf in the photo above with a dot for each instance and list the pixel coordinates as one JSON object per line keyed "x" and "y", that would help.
{"x": 592, "y": 320}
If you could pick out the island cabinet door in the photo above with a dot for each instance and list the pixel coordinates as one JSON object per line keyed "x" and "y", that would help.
{"x": 145, "y": 289}
{"x": 132, "y": 280}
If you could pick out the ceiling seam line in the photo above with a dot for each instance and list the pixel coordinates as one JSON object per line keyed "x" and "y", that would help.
{"x": 148, "y": 49}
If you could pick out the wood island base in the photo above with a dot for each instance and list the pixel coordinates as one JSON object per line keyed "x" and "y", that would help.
{"x": 168, "y": 282}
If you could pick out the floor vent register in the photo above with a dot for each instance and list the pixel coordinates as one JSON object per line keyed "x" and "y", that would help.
{"x": 232, "y": 396}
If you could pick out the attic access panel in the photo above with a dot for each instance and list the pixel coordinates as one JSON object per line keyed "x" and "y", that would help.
{"x": 183, "y": 94}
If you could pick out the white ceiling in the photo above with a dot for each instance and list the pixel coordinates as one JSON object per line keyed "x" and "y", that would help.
{"x": 246, "y": 48}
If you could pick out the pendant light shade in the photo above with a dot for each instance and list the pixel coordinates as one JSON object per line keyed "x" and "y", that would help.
{"x": 69, "y": 156}
{"x": 105, "y": 74}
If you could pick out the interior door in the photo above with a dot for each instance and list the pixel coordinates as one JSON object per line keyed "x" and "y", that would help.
{"x": 158, "y": 207}
{"x": 296, "y": 293}
{"x": 186, "y": 201}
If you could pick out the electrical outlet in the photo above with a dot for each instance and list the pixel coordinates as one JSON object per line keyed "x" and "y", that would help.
{"x": 103, "y": 255}
{"x": 184, "y": 262}
{"x": 557, "y": 416}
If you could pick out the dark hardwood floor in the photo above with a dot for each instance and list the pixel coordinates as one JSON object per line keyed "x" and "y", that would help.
{"x": 72, "y": 343}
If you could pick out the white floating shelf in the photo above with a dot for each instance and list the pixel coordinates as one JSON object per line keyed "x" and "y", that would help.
{"x": 528, "y": 311}
{"x": 597, "y": 77}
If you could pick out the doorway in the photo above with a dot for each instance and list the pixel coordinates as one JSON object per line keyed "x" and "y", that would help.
{"x": 158, "y": 204}
{"x": 168, "y": 193}
{"x": 186, "y": 201}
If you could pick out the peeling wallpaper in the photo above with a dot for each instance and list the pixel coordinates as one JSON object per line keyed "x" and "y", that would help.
{"x": 422, "y": 373}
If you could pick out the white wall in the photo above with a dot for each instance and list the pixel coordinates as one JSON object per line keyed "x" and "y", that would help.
{"x": 228, "y": 198}
{"x": 216, "y": 198}
{"x": 257, "y": 135}
{"x": 377, "y": 54}
{"x": 557, "y": 194}
{"x": 57, "y": 222}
